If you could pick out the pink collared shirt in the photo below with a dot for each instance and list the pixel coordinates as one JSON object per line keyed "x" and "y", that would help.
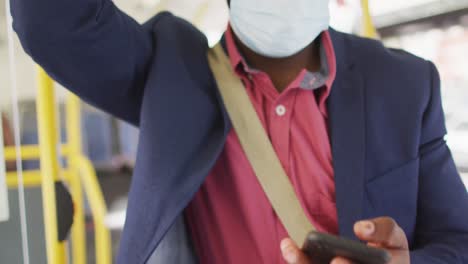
{"x": 230, "y": 218}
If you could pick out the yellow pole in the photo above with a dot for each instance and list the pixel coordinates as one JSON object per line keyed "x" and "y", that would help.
{"x": 73, "y": 123}
{"x": 62, "y": 252}
{"x": 32, "y": 178}
{"x": 48, "y": 144}
{"x": 369, "y": 29}
{"x": 28, "y": 152}
{"x": 99, "y": 210}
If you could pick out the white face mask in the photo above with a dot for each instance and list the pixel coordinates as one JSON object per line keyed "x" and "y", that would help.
{"x": 278, "y": 28}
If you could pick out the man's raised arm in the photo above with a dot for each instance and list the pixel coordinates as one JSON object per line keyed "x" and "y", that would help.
{"x": 90, "y": 47}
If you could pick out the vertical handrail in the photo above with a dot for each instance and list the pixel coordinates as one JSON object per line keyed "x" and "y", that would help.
{"x": 99, "y": 210}
{"x": 369, "y": 29}
{"x": 80, "y": 174}
{"x": 73, "y": 128}
{"x": 89, "y": 182}
{"x": 48, "y": 145}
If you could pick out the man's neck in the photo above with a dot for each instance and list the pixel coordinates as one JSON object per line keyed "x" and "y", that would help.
{"x": 284, "y": 70}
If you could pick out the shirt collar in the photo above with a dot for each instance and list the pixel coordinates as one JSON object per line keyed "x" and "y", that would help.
{"x": 311, "y": 80}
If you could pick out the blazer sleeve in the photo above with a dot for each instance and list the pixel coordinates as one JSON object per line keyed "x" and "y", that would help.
{"x": 90, "y": 47}
{"x": 442, "y": 222}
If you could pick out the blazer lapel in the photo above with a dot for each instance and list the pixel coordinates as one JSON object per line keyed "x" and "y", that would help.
{"x": 347, "y": 127}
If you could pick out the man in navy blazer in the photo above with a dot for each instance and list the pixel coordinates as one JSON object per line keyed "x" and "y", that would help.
{"x": 385, "y": 121}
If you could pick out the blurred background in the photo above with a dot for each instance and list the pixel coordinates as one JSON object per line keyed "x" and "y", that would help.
{"x": 436, "y": 30}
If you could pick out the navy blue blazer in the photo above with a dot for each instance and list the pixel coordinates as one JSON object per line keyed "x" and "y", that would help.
{"x": 385, "y": 118}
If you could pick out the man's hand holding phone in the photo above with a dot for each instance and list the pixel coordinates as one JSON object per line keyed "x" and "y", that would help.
{"x": 383, "y": 233}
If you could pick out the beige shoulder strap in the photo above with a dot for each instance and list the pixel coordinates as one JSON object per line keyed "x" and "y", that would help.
{"x": 258, "y": 148}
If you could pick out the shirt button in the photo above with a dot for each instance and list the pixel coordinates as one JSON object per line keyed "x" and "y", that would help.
{"x": 280, "y": 110}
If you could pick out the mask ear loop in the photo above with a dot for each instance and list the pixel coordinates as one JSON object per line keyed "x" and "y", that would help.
{"x": 16, "y": 133}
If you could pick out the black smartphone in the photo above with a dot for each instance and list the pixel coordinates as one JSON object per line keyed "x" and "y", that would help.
{"x": 322, "y": 248}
